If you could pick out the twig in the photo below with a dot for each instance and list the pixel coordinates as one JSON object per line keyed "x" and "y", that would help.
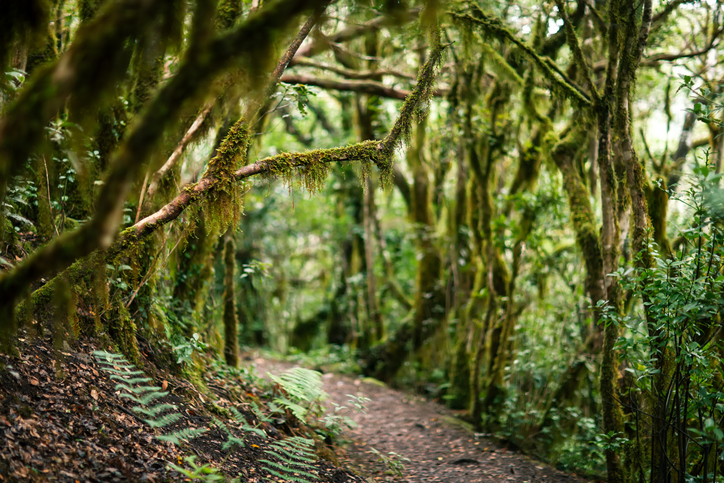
{"x": 50, "y": 206}
{"x": 175, "y": 156}
{"x": 143, "y": 193}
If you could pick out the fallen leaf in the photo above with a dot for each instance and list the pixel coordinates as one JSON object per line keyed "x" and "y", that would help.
{"x": 164, "y": 385}
{"x": 94, "y": 394}
{"x": 34, "y": 381}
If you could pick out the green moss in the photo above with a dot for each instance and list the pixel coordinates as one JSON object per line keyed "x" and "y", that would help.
{"x": 499, "y": 65}
{"x": 227, "y": 13}
{"x": 223, "y": 203}
{"x": 122, "y": 329}
{"x": 473, "y": 17}
{"x": 88, "y": 8}
{"x": 458, "y": 394}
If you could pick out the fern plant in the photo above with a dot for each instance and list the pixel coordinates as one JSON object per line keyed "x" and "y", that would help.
{"x": 302, "y": 389}
{"x": 134, "y": 385}
{"x": 295, "y": 456}
{"x": 197, "y": 472}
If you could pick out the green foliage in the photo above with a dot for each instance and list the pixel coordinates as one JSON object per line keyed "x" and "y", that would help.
{"x": 294, "y": 456}
{"x": 671, "y": 344}
{"x": 302, "y": 391}
{"x": 393, "y": 461}
{"x": 197, "y": 472}
{"x": 335, "y": 422}
{"x": 132, "y": 383}
{"x": 188, "y": 347}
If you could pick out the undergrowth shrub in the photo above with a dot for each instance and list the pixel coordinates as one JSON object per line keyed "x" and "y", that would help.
{"x": 672, "y": 348}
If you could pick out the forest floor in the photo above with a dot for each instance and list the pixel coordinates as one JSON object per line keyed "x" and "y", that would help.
{"x": 63, "y": 419}
{"x": 421, "y": 439}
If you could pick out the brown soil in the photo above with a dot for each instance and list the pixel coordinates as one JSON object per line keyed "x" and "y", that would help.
{"x": 62, "y": 419}
{"x": 425, "y": 437}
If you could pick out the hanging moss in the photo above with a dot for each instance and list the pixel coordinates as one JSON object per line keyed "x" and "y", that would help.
{"x": 64, "y": 322}
{"x": 474, "y": 17}
{"x": 223, "y": 204}
{"x": 414, "y": 108}
{"x": 122, "y": 330}
{"x": 147, "y": 62}
{"x": 499, "y": 65}
{"x": 88, "y": 8}
{"x": 195, "y": 268}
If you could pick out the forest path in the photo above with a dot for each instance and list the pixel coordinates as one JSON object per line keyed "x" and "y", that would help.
{"x": 438, "y": 448}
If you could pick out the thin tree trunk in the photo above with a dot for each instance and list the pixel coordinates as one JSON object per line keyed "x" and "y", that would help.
{"x": 231, "y": 322}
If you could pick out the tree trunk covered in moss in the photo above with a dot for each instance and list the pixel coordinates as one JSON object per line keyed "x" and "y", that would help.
{"x": 466, "y": 94}
{"x": 610, "y": 239}
{"x": 231, "y": 322}
{"x": 367, "y": 117}
{"x": 429, "y": 303}
{"x": 497, "y": 278}
{"x": 463, "y": 357}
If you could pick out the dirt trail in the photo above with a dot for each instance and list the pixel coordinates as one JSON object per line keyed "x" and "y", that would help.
{"x": 437, "y": 448}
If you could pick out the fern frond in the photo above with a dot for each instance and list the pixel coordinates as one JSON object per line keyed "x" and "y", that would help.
{"x": 134, "y": 383}
{"x": 183, "y": 434}
{"x": 286, "y": 468}
{"x": 290, "y": 477}
{"x": 146, "y": 398}
{"x": 152, "y": 412}
{"x": 301, "y": 384}
{"x": 163, "y": 421}
{"x": 259, "y": 414}
{"x": 124, "y": 373}
{"x": 257, "y": 431}
{"x": 299, "y": 442}
{"x": 136, "y": 389}
{"x": 294, "y": 453}
{"x": 133, "y": 380}
{"x": 298, "y": 411}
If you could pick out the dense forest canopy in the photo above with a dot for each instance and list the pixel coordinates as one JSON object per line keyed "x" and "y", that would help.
{"x": 512, "y": 206}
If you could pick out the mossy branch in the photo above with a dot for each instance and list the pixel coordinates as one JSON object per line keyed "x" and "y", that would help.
{"x": 575, "y": 46}
{"x": 414, "y": 107}
{"x": 311, "y": 166}
{"x": 493, "y": 26}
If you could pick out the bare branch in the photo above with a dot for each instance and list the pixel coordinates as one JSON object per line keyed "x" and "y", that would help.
{"x": 322, "y": 43}
{"x": 176, "y": 155}
{"x": 364, "y": 87}
{"x": 353, "y": 74}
